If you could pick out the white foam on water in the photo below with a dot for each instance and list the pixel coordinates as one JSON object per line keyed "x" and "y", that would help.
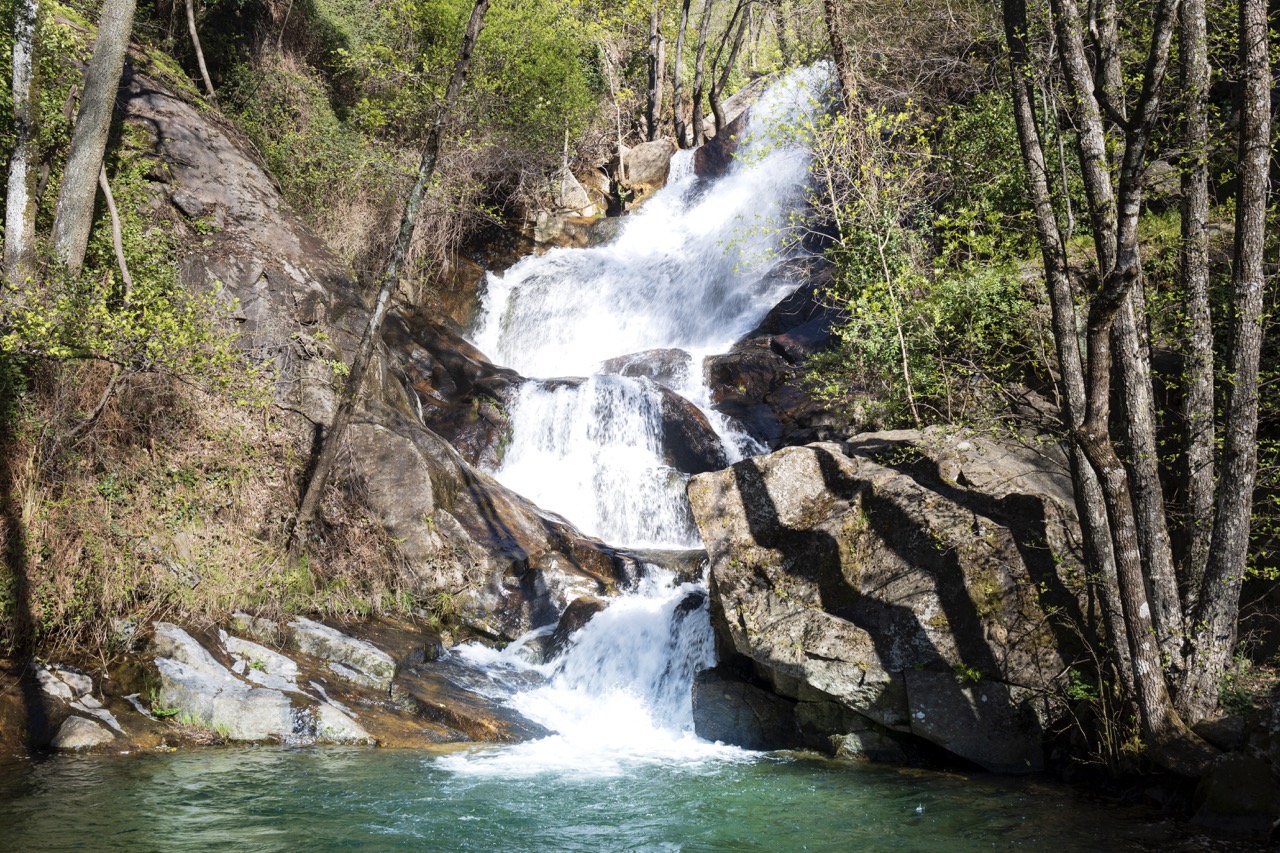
{"x": 618, "y": 697}
{"x": 688, "y": 270}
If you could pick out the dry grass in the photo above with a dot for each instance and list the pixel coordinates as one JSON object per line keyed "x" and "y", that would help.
{"x": 175, "y": 506}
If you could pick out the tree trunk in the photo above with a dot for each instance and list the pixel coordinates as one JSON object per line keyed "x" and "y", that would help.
{"x": 1129, "y": 340}
{"x": 1197, "y": 405}
{"x": 1088, "y": 492}
{"x": 657, "y": 65}
{"x": 20, "y": 203}
{"x": 310, "y": 505}
{"x": 704, "y": 26}
{"x": 73, "y": 216}
{"x": 195, "y": 42}
{"x": 677, "y": 80}
{"x": 718, "y": 83}
{"x": 785, "y": 47}
{"x": 1220, "y": 593}
{"x": 844, "y": 65}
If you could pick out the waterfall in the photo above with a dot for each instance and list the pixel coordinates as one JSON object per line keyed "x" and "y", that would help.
{"x": 688, "y": 274}
{"x": 689, "y": 271}
{"x": 618, "y": 696}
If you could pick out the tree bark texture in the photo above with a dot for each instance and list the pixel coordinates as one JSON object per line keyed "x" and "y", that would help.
{"x": 1198, "y": 412}
{"x": 1220, "y": 593}
{"x": 20, "y": 202}
{"x": 73, "y": 216}
{"x": 677, "y": 80}
{"x": 699, "y": 69}
{"x": 310, "y": 504}
{"x": 657, "y": 68}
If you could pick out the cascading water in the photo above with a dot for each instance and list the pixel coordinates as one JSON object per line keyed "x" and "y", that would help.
{"x": 689, "y": 271}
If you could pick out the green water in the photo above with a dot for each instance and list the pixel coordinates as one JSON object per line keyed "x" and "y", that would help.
{"x": 270, "y": 799}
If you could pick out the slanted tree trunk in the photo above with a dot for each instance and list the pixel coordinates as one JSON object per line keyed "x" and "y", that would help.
{"x": 1219, "y": 603}
{"x": 73, "y": 215}
{"x": 310, "y": 505}
{"x": 704, "y": 27}
{"x": 718, "y": 83}
{"x": 195, "y": 42}
{"x": 677, "y": 80}
{"x": 20, "y": 203}
{"x": 1197, "y": 407}
{"x": 657, "y": 66}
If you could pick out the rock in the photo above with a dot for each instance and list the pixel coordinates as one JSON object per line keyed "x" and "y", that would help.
{"x": 223, "y": 703}
{"x": 1240, "y": 793}
{"x": 669, "y": 367}
{"x": 334, "y": 725}
{"x": 569, "y": 194}
{"x": 260, "y": 629}
{"x": 172, "y": 642}
{"x": 80, "y": 733}
{"x": 730, "y": 710}
{"x": 863, "y": 578}
{"x": 575, "y": 616}
{"x": 1226, "y": 733}
{"x": 52, "y": 686}
{"x": 712, "y": 160}
{"x": 361, "y": 661}
{"x": 649, "y": 163}
{"x": 261, "y": 665}
{"x": 690, "y": 443}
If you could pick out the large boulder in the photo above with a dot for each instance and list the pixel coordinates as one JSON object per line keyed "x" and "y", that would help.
{"x": 916, "y": 580}
{"x": 669, "y": 367}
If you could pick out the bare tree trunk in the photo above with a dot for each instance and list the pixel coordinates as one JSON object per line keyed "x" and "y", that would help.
{"x": 677, "y": 80}
{"x": 1129, "y": 340}
{"x": 1198, "y": 390}
{"x": 368, "y": 342}
{"x": 1088, "y": 492}
{"x": 844, "y": 65}
{"x": 195, "y": 42}
{"x": 73, "y": 216}
{"x": 1220, "y": 593}
{"x": 117, "y": 234}
{"x": 741, "y": 18}
{"x": 704, "y": 26}
{"x": 657, "y": 67}
{"x": 20, "y": 202}
{"x": 785, "y": 47}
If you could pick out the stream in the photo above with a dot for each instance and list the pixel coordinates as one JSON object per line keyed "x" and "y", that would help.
{"x": 688, "y": 271}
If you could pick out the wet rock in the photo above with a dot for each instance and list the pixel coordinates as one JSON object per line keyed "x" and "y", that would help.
{"x": 730, "y": 710}
{"x": 80, "y": 733}
{"x": 358, "y": 660}
{"x": 261, "y": 665}
{"x": 858, "y": 573}
{"x": 1240, "y": 793}
{"x": 669, "y": 367}
{"x": 575, "y": 616}
{"x": 712, "y": 160}
{"x": 688, "y": 440}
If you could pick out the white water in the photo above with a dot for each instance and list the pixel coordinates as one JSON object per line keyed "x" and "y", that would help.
{"x": 688, "y": 270}
{"x": 618, "y": 697}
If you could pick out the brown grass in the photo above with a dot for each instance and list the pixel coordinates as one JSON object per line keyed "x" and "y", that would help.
{"x": 175, "y": 506}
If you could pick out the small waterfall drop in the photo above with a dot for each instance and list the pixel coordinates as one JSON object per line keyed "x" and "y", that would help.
{"x": 619, "y": 695}
{"x": 690, "y": 271}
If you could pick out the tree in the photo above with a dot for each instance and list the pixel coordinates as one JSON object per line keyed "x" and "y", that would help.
{"x": 699, "y": 64}
{"x": 1136, "y": 525}
{"x": 657, "y": 68}
{"x": 195, "y": 43}
{"x": 350, "y": 395}
{"x": 73, "y": 215}
{"x": 20, "y": 203}
{"x": 740, "y": 19}
{"x": 677, "y": 80}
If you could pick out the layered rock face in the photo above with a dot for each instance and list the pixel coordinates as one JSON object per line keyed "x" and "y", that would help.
{"x": 299, "y": 309}
{"x": 900, "y": 584}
